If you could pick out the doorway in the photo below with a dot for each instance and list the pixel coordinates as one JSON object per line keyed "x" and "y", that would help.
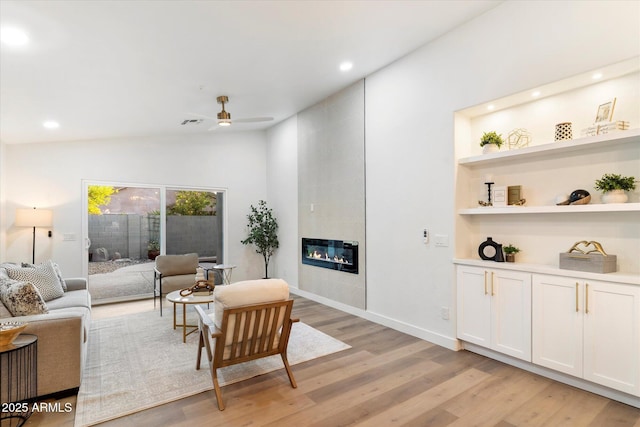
{"x": 127, "y": 225}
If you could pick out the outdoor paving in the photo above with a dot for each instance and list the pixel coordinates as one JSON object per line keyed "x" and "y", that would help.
{"x": 130, "y": 282}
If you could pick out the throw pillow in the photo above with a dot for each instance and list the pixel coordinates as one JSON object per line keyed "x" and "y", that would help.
{"x": 56, "y": 267}
{"x": 21, "y": 298}
{"x": 42, "y": 276}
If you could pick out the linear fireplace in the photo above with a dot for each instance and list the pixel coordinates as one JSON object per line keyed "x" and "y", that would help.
{"x": 334, "y": 254}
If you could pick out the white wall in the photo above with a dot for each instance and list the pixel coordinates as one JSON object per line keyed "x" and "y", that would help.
{"x": 409, "y": 136}
{"x": 282, "y": 197}
{"x": 50, "y": 175}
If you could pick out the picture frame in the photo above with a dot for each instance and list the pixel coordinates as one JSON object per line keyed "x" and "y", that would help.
{"x": 605, "y": 111}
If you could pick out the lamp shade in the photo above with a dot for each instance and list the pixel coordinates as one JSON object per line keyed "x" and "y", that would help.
{"x": 34, "y": 218}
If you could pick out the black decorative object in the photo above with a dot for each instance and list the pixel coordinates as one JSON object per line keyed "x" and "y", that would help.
{"x": 579, "y": 197}
{"x": 498, "y": 256}
{"x": 489, "y": 184}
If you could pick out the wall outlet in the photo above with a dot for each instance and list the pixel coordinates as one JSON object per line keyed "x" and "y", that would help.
{"x": 444, "y": 313}
{"x": 425, "y": 236}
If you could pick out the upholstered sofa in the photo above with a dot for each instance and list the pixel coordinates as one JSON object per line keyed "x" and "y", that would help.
{"x": 62, "y": 330}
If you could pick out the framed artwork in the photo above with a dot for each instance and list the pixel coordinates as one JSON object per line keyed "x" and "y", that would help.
{"x": 605, "y": 111}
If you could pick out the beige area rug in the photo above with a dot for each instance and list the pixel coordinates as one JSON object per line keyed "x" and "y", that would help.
{"x": 138, "y": 361}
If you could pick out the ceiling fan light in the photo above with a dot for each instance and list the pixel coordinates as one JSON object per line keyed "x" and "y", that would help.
{"x": 224, "y": 122}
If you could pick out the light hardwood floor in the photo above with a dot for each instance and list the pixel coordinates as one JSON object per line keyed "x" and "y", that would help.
{"x": 386, "y": 378}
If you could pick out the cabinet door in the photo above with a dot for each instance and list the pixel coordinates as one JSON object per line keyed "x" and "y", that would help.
{"x": 474, "y": 306}
{"x": 611, "y": 335}
{"x": 557, "y": 323}
{"x": 511, "y": 312}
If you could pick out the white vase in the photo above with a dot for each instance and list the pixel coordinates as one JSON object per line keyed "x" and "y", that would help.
{"x": 615, "y": 196}
{"x": 490, "y": 148}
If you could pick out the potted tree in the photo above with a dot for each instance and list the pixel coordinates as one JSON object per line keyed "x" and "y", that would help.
{"x": 614, "y": 186}
{"x": 510, "y": 252}
{"x": 262, "y": 228}
{"x": 153, "y": 249}
{"x": 491, "y": 142}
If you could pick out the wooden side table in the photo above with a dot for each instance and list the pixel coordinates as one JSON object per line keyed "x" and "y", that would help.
{"x": 18, "y": 379}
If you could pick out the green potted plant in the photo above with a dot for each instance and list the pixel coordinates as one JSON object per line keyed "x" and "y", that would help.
{"x": 491, "y": 142}
{"x": 262, "y": 228}
{"x": 510, "y": 252}
{"x": 613, "y": 187}
{"x": 153, "y": 249}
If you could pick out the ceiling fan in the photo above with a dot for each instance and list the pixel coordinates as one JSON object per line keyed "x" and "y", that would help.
{"x": 224, "y": 117}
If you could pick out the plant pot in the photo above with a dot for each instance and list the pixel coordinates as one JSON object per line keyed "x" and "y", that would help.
{"x": 510, "y": 257}
{"x": 152, "y": 254}
{"x": 615, "y": 196}
{"x": 490, "y": 148}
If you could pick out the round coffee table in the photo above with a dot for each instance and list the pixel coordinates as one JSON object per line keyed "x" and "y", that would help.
{"x": 175, "y": 298}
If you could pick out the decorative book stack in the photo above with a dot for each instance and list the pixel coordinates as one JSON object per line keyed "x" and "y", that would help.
{"x": 604, "y": 128}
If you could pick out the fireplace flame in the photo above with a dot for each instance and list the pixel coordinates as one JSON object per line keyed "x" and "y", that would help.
{"x": 325, "y": 256}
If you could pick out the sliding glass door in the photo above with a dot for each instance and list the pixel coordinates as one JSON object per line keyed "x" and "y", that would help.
{"x": 127, "y": 225}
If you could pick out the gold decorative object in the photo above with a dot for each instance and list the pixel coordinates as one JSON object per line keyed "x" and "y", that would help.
{"x": 578, "y": 247}
{"x": 518, "y": 138}
{"x": 9, "y": 331}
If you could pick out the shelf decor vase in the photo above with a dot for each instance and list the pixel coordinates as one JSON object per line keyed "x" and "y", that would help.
{"x": 490, "y": 148}
{"x": 615, "y": 196}
{"x": 510, "y": 257}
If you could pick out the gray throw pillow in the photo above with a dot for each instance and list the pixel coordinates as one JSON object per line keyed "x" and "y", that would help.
{"x": 56, "y": 267}
{"x": 21, "y": 298}
{"x": 42, "y": 276}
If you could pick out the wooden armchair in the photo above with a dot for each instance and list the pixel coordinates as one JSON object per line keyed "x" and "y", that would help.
{"x": 251, "y": 320}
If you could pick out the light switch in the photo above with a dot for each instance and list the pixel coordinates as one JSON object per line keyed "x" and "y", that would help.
{"x": 442, "y": 240}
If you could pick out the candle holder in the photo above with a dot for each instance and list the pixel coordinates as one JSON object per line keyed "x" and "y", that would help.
{"x": 489, "y": 184}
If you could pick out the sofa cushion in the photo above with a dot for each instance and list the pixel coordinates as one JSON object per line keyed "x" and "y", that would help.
{"x": 43, "y": 276}
{"x": 246, "y": 293}
{"x": 21, "y": 298}
{"x": 71, "y": 299}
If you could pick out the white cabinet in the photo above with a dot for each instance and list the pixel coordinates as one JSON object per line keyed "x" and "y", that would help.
{"x": 589, "y": 329}
{"x": 494, "y": 309}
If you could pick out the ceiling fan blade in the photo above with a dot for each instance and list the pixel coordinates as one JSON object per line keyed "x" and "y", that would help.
{"x": 253, "y": 120}
{"x": 202, "y": 116}
{"x": 212, "y": 128}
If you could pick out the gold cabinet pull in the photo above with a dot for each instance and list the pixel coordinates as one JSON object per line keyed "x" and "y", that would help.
{"x": 577, "y": 308}
{"x": 485, "y": 282}
{"x": 586, "y": 299}
{"x": 492, "y": 292}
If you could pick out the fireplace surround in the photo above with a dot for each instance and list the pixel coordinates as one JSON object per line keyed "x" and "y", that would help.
{"x": 333, "y": 254}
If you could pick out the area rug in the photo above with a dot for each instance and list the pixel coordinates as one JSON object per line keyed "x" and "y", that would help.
{"x": 139, "y": 361}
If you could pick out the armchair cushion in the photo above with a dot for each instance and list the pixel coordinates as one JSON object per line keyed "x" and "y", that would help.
{"x": 174, "y": 265}
{"x": 246, "y": 293}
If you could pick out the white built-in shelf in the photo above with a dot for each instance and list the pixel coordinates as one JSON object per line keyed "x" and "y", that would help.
{"x": 515, "y": 210}
{"x": 631, "y": 136}
{"x": 617, "y": 277}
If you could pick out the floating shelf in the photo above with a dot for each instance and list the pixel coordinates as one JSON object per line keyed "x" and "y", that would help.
{"x": 631, "y": 136}
{"x": 515, "y": 210}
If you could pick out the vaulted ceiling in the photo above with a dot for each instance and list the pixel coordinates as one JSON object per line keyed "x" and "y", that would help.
{"x": 118, "y": 69}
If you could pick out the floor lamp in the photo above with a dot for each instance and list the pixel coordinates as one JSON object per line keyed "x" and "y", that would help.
{"x": 34, "y": 218}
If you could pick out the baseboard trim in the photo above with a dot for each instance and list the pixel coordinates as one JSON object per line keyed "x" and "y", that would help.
{"x": 555, "y": 375}
{"x": 433, "y": 337}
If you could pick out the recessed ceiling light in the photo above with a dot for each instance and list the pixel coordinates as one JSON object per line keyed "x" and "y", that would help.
{"x": 13, "y": 37}
{"x": 491, "y": 107}
{"x": 50, "y": 124}
{"x": 596, "y": 76}
{"x": 346, "y": 66}
{"x": 535, "y": 94}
